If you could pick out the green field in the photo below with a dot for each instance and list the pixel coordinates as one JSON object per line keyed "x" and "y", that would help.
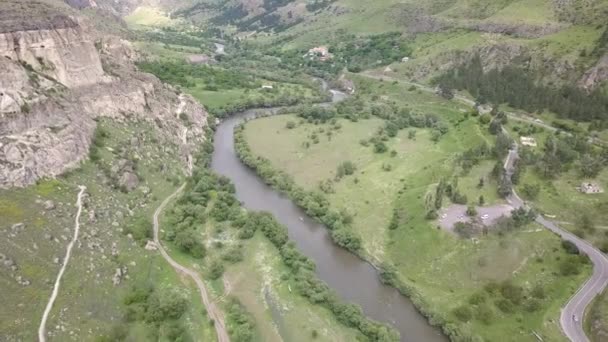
{"x": 443, "y": 270}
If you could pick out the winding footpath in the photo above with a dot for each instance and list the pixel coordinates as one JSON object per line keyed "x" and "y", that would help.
{"x": 66, "y": 260}
{"x": 212, "y": 310}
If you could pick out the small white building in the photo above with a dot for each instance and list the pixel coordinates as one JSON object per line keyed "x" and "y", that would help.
{"x": 528, "y": 141}
{"x": 267, "y": 86}
{"x": 405, "y": 59}
{"x": 591, "y": 188}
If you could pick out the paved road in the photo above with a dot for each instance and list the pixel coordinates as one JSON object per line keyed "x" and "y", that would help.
{"x": 212, "y": 310}
{"x": 573, "y": 313}
{"x": 66, "y": 259}
{"x": 572, "y": 316}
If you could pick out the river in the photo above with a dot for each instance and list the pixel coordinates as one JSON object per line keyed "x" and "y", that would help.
{"x": 353, "y": 279}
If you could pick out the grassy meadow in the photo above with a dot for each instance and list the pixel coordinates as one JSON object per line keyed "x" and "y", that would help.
{"x": 446, "y": 272}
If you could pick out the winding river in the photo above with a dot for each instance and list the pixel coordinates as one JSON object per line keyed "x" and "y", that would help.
{"x": 353, "y": 279}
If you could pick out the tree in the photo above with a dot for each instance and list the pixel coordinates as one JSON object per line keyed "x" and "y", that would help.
{"x": 481, "y": 201}
{"x": 380, "y": 147}
{"x": 530, "y": 191}
{"x": 495, "y": 126}
{"x": 216, "y": 269}
{"x": 445, "y": 91}
{"x": 503, "y": 145}
{"x": 505, "y": 187}
{"x": 290, "y": 125}
{"x": 471, "y": 211}
{"x": 590, "y": 167}
{"x": 188, "y": 242}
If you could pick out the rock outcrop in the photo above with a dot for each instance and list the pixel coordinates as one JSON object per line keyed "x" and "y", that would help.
{"x": 57, "y": 78}
{"x": 597, "y": 75}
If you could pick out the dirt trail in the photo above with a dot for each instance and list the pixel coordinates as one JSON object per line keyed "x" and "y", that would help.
{"x": 212, "y": 310}
{"x": 68, "y": 253}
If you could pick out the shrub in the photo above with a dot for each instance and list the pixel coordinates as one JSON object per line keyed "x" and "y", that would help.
{"x": 290, "y": 125}
{"x": 463, "y": 313}
{"x": 140, "y": 229}
{"x": 188, "y": 242}
{"x": 380, "y": 147}
{"x": 216, "y": 269}
{"x": 570, "y": 247}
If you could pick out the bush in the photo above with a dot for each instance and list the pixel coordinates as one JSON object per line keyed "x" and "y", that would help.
{"x": 240, "y": 323}
{"x": 216, "y": 269}
{"x": 346, "y": 168}
{"x": 485, "y": 314}
{"x": 463, "y": 313}
{"x": 290, "y": 125}
{"x": 380, "y": 147}
{"x": 505, "y": 305}
{"x": 140, "y": 229}
{"x": 188, "y": 242}
{"x": 569, "y": 266}
{"x": 347, "y": 239}
{"x": 570, "y": 247}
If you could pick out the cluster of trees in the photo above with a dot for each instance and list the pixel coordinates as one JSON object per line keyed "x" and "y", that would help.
{"x": 181, "y": 73}
{"x": 169, "y": 36}
{"x": 239, "y": 322}
{"x": 449, "y": 189}
{"x": 159, "y": 310}
{"x": 360, "y": 53}
{"x": 521, "y": 89}
{"x": 561, "y": 153}
{"x": 313, "y": 202}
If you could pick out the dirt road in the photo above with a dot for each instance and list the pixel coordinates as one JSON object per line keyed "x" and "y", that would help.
{"x": 212, "y": 310}
{"x": 66, "y": 260}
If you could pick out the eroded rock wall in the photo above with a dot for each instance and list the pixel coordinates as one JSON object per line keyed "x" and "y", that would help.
{"x": 54, "y": 87}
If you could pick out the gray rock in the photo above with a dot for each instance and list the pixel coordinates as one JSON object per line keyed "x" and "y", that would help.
{"x": 128, "y": 181}
{"x": 49, "y": 205}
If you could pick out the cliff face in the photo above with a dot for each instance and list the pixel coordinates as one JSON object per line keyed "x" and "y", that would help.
{"x": 54, "y": 86}
{"x": 67, "y": 55}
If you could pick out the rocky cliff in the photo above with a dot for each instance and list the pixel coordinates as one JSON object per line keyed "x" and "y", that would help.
{"x": 57, "y": 79}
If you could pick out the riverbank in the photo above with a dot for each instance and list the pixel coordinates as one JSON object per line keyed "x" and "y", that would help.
{"x": 527, "y": 258}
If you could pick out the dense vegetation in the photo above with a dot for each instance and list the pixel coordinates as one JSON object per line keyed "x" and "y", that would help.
{"x": 158, "y": 309}
{"x": 184, "y": 74}
{"x": 211, "y": 198}
{"x": 348, "y": 51}
{"x": 520, "y": 89}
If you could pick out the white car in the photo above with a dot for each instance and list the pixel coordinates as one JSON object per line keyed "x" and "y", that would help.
{"x": 485, "y": 216}
{"x": 574, "y": 318}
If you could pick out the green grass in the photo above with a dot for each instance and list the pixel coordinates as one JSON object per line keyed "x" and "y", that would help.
{"x": 148, "y": 16}
{"x": 88, "y": 303}
{"x": 259, "y": 283}
{"x": 560, "y": 198}
{"x": 167, "y": 52}
{"x": 442, "y": 269}
{"x": 595, "y": 318}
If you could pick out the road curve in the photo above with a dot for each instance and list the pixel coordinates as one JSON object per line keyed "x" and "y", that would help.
{"x": 212, "y": 310}
{"x": 573, "y": 313}
{"x": 66, "y": 259}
